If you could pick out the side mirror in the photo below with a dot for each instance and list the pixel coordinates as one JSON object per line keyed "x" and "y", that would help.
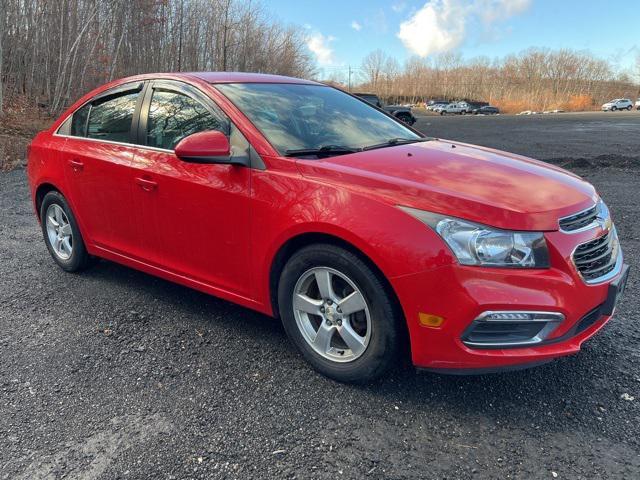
{"x": 210, "y": 146}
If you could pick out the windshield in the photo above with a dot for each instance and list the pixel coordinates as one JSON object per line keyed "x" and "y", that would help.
{"x": 296, "y": 117}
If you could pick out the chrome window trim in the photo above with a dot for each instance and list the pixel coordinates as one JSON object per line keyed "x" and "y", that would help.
{"x": 111, "y": 142}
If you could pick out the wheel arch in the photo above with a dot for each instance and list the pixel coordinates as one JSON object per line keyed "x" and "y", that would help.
{"x": 41, "y": 191}
{"x": 302, "y": 240}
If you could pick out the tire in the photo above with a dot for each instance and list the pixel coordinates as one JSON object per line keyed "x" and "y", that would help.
{"x": 70, "y": 253}
{"x": 443, "y": 112}
{"x": 404, "y": 118}
{"x": 629, "y": 108}
{"x": 374, "y": 319}
{"x": 614, "y": 108}
{"x": 463, "y": 112}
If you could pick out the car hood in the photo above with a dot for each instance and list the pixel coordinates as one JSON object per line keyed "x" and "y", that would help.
{"x": 480, "y": 184}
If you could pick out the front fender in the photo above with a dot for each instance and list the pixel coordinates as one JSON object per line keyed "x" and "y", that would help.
{"x": 291, "y": 205}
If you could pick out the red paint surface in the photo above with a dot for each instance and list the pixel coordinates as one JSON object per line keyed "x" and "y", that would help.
{"x": 218, "y": 228}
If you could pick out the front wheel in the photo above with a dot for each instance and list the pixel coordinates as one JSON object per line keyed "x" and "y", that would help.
{"x": 61, "y": 233}
{"x": 338, "y": 314}
{"x": 613, "y": 109}
{"x": 629, "y": 108}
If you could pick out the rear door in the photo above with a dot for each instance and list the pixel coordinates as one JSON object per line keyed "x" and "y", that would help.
{"x": 97, "y": 158}
{"x": 195, "y": 217}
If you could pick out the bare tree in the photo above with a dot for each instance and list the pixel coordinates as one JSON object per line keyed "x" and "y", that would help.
{"x": 372, "y": 65}
{"x": 535, "y": 79}
{"x": 2, "y": 18}
{"x": 56, "y": 50}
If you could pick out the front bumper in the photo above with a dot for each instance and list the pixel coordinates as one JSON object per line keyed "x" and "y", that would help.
{"x": 460, "y": 294}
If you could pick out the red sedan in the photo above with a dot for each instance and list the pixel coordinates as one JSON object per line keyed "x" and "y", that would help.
{"x": 368, "y": 239}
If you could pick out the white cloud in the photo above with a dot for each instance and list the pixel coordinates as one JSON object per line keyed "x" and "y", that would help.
{"x": 441, "y": 25}
{"x": 320, "y": 46}
{"x": 356, "y": 26}
{"x": 398, "y": 7}
{"x": 496, "y": 10}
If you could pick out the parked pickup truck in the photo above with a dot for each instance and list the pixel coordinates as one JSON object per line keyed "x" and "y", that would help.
{"x": 398, "y": 111}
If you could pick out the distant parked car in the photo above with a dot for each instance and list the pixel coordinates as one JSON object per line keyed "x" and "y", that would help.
{"x": 486, "y": 110}
{"x": 434, "y": 106}
{"x": 455, "y": 108}
{"x": 471, "y": 106}
{"x": 401, "y": 112}
{"x": 617, "y": 104}
{"x": 638, "y": 104}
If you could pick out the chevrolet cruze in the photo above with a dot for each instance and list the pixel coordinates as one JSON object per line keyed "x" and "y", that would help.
{"x": 298, "y": 200}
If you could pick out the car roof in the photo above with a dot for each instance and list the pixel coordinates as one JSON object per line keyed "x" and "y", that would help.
{"x": 246, "y": 77}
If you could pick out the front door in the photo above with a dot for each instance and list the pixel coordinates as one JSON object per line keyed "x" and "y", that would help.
{"x": 194, "y": 217}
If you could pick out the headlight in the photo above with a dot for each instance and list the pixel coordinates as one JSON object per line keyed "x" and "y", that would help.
{"x": 476, "y": 244}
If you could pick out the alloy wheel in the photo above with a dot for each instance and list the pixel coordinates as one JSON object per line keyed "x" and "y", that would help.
{"x": 332, "y": 314}
{"x": 59, "y": 231}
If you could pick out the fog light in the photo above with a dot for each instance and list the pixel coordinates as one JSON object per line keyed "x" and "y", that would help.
{"x": 429, "y": 320}
{"x": 504, "y": 329}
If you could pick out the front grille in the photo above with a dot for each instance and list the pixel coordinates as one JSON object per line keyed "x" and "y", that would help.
{"x": 596, "y": 258}
{"x": 579, "y": 220}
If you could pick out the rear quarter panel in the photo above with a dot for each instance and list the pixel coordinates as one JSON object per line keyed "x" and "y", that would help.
{"x": 44, "y": 164}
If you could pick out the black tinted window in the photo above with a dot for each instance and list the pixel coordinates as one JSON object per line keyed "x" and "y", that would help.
{"x": 110, "y": 118}
{"x": 79, "y": 122}
{"x": 174, "y": 116}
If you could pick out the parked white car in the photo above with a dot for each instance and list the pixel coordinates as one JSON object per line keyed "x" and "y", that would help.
{"x": 435, "y": 106}
{"x": 618, "y": 104}
{"x": 638, "y": 104}
{"x": 457, "y": 107}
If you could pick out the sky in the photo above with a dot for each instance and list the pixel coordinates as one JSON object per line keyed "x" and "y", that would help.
{"x": 342, "y": 32}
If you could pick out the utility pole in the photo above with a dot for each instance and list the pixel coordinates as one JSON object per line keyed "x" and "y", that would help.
{"x": 349, "y": 78}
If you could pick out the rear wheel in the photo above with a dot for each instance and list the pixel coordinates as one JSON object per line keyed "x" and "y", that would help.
{"x": 61, "y": 233}
{"x": 405, "y": 118}
{"x": 338, "y": 314}
{"x": 629, "y": 108}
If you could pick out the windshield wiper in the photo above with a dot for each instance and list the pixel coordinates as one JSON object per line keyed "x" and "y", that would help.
{"x": 325, "y": 150}
{"x": 395, "y": 141}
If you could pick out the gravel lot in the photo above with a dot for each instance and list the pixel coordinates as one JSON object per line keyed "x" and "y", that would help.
{"x": 116, "y": 374}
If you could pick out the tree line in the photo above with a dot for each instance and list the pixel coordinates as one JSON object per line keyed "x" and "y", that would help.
{"x": 536, "y": 79}
{"x": 51, "y": 51}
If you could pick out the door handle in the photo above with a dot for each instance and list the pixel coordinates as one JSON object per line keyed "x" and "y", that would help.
{"x": 147, "y": 185}
{"x": 76, "y": 165}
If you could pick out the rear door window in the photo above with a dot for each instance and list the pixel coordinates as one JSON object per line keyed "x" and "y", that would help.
{"x": 110, "y": 117}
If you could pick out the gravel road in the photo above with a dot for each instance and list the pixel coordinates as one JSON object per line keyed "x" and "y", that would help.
{"x": 115, "y": 374}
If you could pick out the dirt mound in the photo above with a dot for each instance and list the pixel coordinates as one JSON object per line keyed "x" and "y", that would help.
{"x": 600, "y": 161}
